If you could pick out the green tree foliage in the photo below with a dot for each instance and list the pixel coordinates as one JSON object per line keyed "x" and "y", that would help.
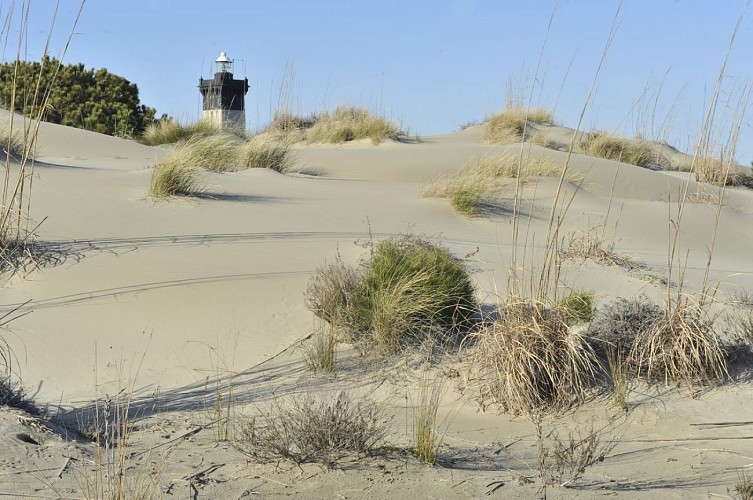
{"x": 91, "y": 99}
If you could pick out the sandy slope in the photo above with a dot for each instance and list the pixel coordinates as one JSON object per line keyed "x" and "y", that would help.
{"x": 171, "y": 294}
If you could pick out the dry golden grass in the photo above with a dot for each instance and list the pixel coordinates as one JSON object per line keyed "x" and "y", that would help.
{"x": 720, "y": 172}
{"x": 680, "y": 347}
{"x": 350, "y": 123}
{"x": 484, "y": 178}
{"x": 612, "y": 147}
{"x": 528, "y": 361}
{"x": 510, "y": 126}
{"x": 590, "y": 245}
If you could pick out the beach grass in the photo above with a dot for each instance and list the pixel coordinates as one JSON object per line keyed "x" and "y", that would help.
{"x": 613, "y": 147}
{"x": 350, "y": 123}
{"x": 510, "y": 125}
{"x": 482, "y": 180}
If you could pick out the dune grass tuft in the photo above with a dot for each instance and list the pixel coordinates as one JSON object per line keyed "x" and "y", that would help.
{"x": 408, "y": 291}
{"x": 427, "y": 432}
{"x": 171, "y": 178}
{"x": 528, "y": 361}
{"x": 509, "y": 125}
{"x": 476, "y": 181}
{"x": 173, "y": 131}
{"x": 612, "y": 147}
{"x": 265, "y": 153}
{"x": 680, "y": 347}
{"x": 350, "y": 123}
{"x": 721, "y": 172}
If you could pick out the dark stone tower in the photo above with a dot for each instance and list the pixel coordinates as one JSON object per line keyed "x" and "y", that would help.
{"x": 224, "y": 98}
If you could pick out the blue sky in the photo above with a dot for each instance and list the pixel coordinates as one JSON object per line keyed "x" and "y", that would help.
{"x": 430, "y": 65}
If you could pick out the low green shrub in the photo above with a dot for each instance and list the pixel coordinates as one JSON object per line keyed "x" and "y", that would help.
{"x": 578, "y": 306}
{"x": 408, "y": 290}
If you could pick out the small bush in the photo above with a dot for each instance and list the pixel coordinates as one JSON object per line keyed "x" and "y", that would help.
{"x": 260, "y": 153}
{"x": 571, "y": 457}
{"x": 615, "y": 326}
{"x": 485, "y": 178}
{"x": 316, "y": 429}
{"x": 611, "y": 147}
{"x": 348, "y": 123}
{"x": 528, "y": 361}
{"x": 509, "y": 125}
{"x": 578, "y": 306}
{"x": 172, "y": 131}
{"x": 336, "y": 295}
{"x": 171, "y": 178}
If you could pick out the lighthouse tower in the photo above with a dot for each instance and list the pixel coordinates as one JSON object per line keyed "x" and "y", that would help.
{"x": 224, "y": 98}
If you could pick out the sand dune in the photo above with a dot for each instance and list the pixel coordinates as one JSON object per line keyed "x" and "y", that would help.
{"x": 161, "y": 290}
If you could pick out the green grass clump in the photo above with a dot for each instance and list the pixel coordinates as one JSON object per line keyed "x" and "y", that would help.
{"x": 261, "y": 153}
{"x": 484, "y": 178}
{"x": 171, "y": 178}
{"x": 413, "y": 286}
{"x": 349, "y": 123}
{"x": 509, "y": 125}
{"x": 578, "y": 306}
{"x": 612, "y": 147}
{"x": 218, "y": 152}
{"x": 172, "y": 131}
{"x": 408, "y": 291}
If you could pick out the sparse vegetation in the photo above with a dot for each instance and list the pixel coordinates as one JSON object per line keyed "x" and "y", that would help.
{"x": 572, "y": 456}
{"x": 744, "y": 487}
{"x": 322, "y": 429}
{"x": 590, "y": 245}
{"x": 509, "y": 126}
{"x": 350, "y": 123}
{"x": 611, "y": 147}
{"x": 480, "y": 181}
{"x": 321, "y": 355}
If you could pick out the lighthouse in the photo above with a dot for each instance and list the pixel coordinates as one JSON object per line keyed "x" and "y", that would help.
{"x": 224, "y": 98}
